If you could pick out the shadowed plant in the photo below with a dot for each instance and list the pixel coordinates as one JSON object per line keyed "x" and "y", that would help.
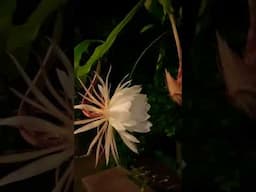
{"x": 45, "y": 120}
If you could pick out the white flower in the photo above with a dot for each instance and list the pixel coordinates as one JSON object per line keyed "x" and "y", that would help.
{"x": 124, "y": 112}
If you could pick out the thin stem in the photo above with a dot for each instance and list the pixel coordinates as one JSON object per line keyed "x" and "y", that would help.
{"x": 176, "y": 37}
{"x": 179, "y": 52}
{"x": 143, "y": 53}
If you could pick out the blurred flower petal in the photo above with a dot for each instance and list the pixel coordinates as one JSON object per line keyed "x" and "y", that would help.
{"x": 36, "y": 167}
{"x": 19, "y": 157}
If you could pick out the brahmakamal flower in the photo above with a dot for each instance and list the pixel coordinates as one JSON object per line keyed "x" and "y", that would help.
{"x": 125, "y": 111}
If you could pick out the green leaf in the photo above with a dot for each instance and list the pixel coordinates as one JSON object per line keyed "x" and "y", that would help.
{"x": 44, "y": 9}
{"x": 81, "y": 48}
{"x": 202, "y": 8}
{"x": 7, "y": 9}
{"x": 22, "y": 35}
{"x": 19, "y": 38}
{"x": 102, "y": 49}
{"x": 147, "y": 27}
{"x": 148, "y": 4}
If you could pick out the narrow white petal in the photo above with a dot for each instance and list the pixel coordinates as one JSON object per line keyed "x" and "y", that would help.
{"x": 19, "y": 157}
{"x": 129, "y": 144}
{"x": 122, "y": 83}
{"x": 35, "y": 124}
{"x": 88, "y": 108}
{"x": 103, "y": 88}
{"x": 91, "y": 100}
{"x": 107, "y": 77}
{"x": 103, "y": 92}
{"x": 85, "y": 121}
{"x": 96, "y": 138}
{"x": 98, "y": 149}
{"x": 37, "y": 167}
{"x": 89, "y": 97}
{"x": 129, "y": 137}
{"x": 100, "y": 98}
{"x": 89, "y": 126}
{"x": 114, "y": 150}
{"x": 108, "y": 140}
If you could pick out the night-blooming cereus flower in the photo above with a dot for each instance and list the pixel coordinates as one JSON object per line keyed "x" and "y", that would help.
{"x": 124, "y": 112}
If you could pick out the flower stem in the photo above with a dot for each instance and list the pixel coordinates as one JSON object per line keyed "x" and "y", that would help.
{"x": 144, "y": 51}
{"x": 179, "y": 52}
{"x": 176, "y": 37}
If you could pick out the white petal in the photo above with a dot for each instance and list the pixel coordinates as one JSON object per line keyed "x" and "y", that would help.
{"x": 139, "y": 108}
{"x": 114, "y": 150}
{"x": 129, "y": 144}
{"x": 19, "y": 157}
{"x": 121, "y": 117}
{"x": 124, "y": 95}
{"x": 89, "y": 126}
{"x": 142, "y": 127}
{"x": 130, "y": 137}
{"x": 98, "y": 147}
{"x": 35, "y": 124}
{"x": 85, "y": 121}
{"x": 104, "y": 91}
{"x": 121, "y": 106}
{"x": 88, "y": 108}
{"x": 116, "y": 124}
{"x": 37, "y": 167}
{"x": 96, "y": 138}
{"x": 108, "y": 140}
